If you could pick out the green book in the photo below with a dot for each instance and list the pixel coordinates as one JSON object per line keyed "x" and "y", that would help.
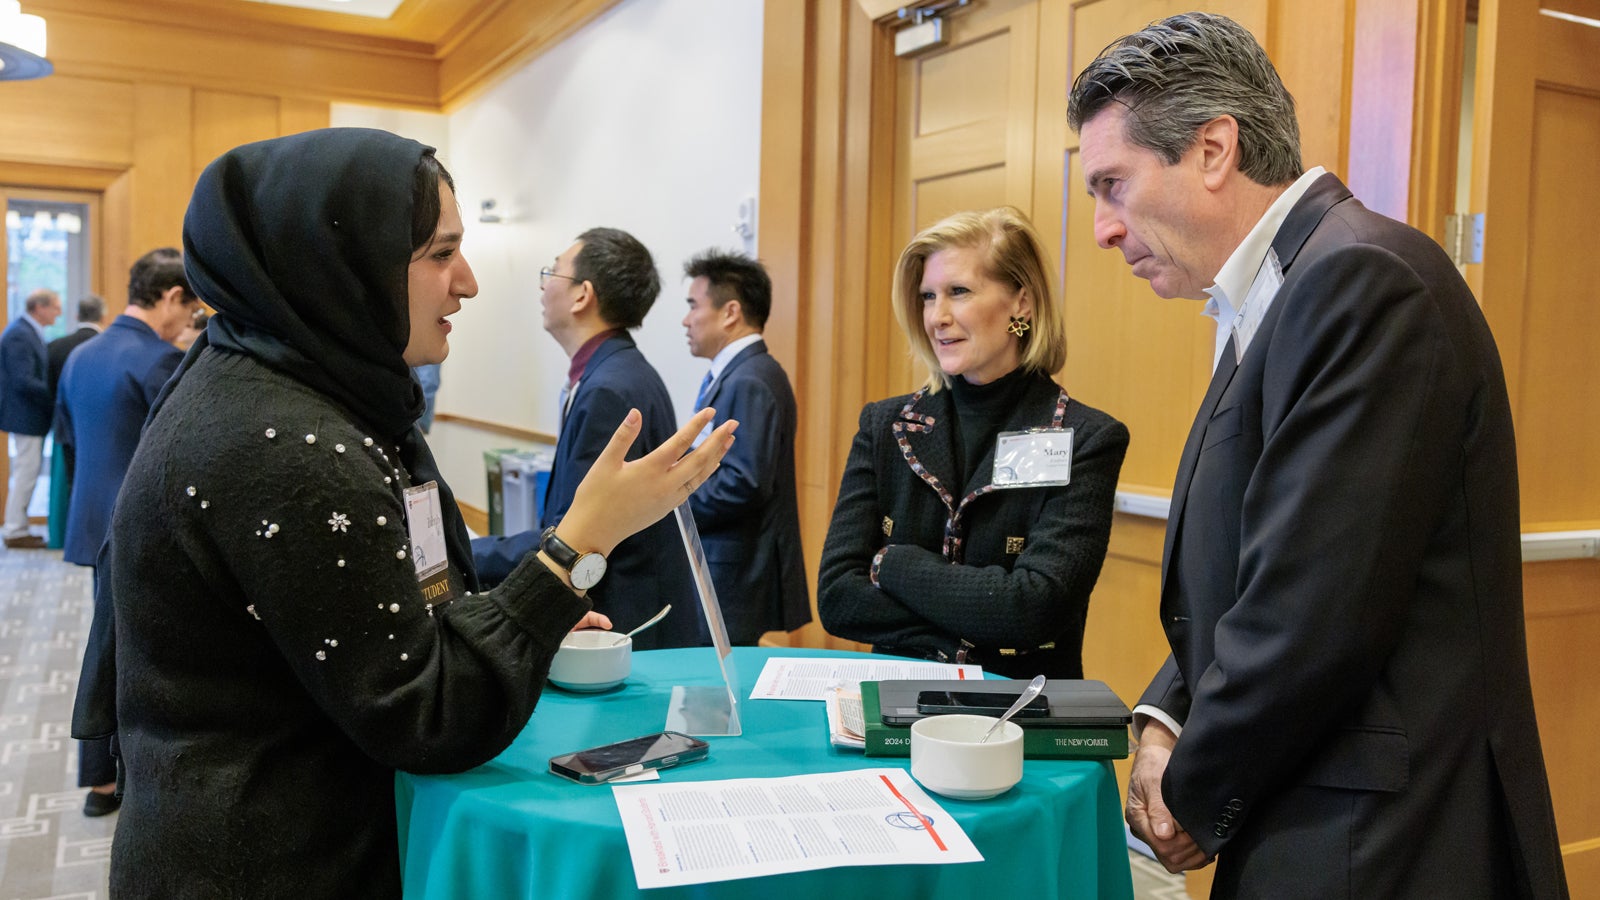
{"x": 1037, "y": 742}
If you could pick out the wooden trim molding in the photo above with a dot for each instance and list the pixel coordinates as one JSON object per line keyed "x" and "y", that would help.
{"x": 476, "y": 519}
{"x": 515, "y": 431}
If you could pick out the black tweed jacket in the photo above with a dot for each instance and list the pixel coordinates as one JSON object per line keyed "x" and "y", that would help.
{"x": 1008, "y": 578}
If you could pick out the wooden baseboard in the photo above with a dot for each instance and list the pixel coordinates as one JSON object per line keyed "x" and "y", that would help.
{"x": 476, "y": 519}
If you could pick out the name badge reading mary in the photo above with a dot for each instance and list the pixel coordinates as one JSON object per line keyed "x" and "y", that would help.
{"x": 425, "y": 523}
{"x": 1038, "y": 457}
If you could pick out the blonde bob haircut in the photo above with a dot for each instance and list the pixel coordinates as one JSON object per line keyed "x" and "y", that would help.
{"x": 1014, "y": 255}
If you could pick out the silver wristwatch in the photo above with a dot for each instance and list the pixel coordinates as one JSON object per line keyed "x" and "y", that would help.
{"x": 585, "y": 569}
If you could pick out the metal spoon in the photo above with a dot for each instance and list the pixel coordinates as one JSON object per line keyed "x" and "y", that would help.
{"x": 1032, "y": 691}
{"x": 658, "y": 617}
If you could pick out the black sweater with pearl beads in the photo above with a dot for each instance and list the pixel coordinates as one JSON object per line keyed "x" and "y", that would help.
{"x": 277, "y": 660}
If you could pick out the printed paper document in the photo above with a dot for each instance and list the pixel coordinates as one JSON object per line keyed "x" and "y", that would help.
{"x": 697, "y": 832}
{"x": 807, "y": 678}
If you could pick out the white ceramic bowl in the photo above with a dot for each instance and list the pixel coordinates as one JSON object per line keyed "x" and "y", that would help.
{"x": 947, "y": 759}
{"x": 592, "y": 661}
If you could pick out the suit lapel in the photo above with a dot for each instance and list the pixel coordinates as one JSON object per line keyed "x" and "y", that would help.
{"x": 1323, "y": 195}
{"x": 927, "y": 442}
{"x": 1191, "y": 453}
{"x": 756, "y": 349}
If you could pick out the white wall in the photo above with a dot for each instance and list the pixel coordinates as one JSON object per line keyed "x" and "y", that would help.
{"x": 649, "y": 120}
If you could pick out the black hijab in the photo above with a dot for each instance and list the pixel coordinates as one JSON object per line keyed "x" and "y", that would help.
{"x": 302, "y": 244}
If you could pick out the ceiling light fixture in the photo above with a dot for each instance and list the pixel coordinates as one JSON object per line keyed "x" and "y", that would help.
{"x": 22, "y": 44}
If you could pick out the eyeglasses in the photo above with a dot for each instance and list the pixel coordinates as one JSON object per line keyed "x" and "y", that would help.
{"x": 547, "y": 273}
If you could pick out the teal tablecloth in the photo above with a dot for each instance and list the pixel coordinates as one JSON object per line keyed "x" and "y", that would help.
{"x": 509, "y": 829}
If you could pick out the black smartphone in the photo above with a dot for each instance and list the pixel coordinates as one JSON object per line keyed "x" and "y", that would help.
{"x": 978, "y": 703}
{"x": 598, "y": 765}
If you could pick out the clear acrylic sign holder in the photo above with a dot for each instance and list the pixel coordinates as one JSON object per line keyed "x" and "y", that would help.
{"x": 708, "y": 710}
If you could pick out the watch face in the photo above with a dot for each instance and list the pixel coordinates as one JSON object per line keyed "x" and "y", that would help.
{"x": 587, "y": 570}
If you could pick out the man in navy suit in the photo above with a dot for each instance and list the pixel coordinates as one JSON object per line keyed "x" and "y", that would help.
{"x": 25, "y": 408}
{"x": 746, "y": 512}
{"x": 597, "y": 290}
{"x": 91, "y": 311}
{"x": 1346, "y": 709}
{"x": 106, "y": 390}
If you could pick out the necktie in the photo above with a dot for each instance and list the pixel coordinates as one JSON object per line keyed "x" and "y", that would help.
{"x": 700, "y": 398}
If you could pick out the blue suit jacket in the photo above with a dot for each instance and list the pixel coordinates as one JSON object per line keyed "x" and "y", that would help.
{"x": 748, "y": 517}
{"x": 647, "y": 570}
{"x": 105, "y": 393}
{"x": 24, "y": 382}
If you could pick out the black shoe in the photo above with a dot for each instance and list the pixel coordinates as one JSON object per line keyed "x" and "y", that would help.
{"x": 98, "y": 804}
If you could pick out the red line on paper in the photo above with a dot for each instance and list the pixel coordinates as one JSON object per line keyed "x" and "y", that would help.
{"x": 926, "y": 823}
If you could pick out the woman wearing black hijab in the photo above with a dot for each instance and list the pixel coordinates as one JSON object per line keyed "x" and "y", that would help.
{"x": 282, "y": 644}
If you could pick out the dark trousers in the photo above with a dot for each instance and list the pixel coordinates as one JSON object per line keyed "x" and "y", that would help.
{"x": 96, "y": 765}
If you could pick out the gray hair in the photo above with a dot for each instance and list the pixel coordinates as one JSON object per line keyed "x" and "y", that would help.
{"x": 1180, "y": 73}
{"x": 91, "y": 308}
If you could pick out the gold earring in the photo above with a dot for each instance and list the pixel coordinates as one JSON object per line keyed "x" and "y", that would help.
{"x": 1018, "y": 327}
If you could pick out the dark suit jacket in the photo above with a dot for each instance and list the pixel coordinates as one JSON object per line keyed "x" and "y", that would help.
{"x": 57, "y": 351}
{"x": 24, "y": 381}
{"x": 106, "y": 392}
{"x": 1027, "y": 557}
{"x": 747, "y": 515}
{"x": 1342, "y": 590}
{"x": 647, "y": 570}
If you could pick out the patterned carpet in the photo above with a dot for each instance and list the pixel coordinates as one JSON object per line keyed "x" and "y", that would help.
{"x": 48, "y": 849}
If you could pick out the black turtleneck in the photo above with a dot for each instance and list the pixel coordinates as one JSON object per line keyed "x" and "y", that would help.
{"x": 980, "y": 410}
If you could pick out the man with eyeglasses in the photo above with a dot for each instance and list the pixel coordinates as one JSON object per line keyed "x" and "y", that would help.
{"x": 597, "y": 291}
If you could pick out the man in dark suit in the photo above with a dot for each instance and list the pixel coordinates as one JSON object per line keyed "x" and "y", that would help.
{"x": 106, "y": 391}
{"x": 747, "y": 514}
{"x": 597, "y": 291}
{"x": 1346, "y": 709}
{"x": 25, "y": 405}
{"x": 91, "y": 312}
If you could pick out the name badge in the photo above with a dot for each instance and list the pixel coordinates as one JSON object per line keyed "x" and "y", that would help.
{"x": 425, "y": 522}
{"x": 1038, "y": 457}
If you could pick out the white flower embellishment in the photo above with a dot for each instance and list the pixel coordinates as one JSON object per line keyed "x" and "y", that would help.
{"x": 340, "y": 522}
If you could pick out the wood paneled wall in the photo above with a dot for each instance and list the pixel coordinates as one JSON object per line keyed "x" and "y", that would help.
{"x": 1378, "y": 93}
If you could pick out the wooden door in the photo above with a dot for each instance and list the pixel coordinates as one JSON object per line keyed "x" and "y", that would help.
{"x": 963, "y": 140}
{"x": 1535, "y": 138}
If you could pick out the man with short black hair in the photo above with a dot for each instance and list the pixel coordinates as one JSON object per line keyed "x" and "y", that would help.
{"x": 1346, "y": 709}
{"x": 107, "y": 389}
{"x": 746, "y": 512}
{"x": 598, "y": 289}
{"x": 25, "y": 409}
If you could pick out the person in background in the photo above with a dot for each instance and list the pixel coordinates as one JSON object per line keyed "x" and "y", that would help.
{"x": 974, "y": 514}
{"x": 91, "y": 312}
{"x": 1345, "y": 710}
{"x": 598, "y": 290}
{"x": 747, "y": 514}
{"x": 192, "y": 329}
{"x": 428, "y": 377}
{"x": 278, "y": 650}
{"x": 107, "y": 389}
{"x": 25, "y": 409}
